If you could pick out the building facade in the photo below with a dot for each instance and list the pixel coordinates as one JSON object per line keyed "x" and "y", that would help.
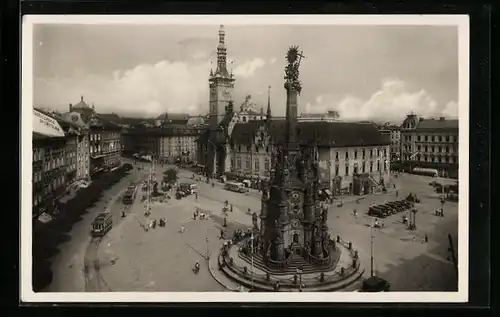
{"x": 48, "y": 163}
{"x": 105, "y": 146}
{"x": 81, "y": 131}
{"x": 172, "y": 144}
{"x": 393, "y": 132}
{"x": 330, "y": 116}
{"x": 104, "y": 137}
{"x": 430, "y": 143}
{"x": 346, "y": 150}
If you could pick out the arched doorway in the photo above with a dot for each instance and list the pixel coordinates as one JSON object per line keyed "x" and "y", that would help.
{"x": 295, "y": 238}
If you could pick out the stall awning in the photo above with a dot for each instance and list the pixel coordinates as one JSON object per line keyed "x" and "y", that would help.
{"x": 45, "y": 125}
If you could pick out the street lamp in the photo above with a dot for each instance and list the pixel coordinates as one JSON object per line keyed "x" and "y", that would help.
{"x": 372, "y": 240}
{"x": 206, "y": 243}
{"x": 251, "y": 250}
{"x": 299, "y": 273}
{"x": 414, "y": 222}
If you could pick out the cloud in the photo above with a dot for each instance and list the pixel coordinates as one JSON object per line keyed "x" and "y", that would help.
{"x": 146, "y": 90}
{"x": 248, "y": 68}
{"x": 392, "y": 102}
{"x": 451, "y": 109}
{"x": 272, "y": 61}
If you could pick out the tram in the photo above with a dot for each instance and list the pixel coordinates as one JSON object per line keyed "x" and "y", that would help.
{"x": 101, "y": 224}
{"x": 130, "y": 193}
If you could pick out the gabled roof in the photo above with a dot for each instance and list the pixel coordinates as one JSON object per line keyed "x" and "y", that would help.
{"x": 330, "y": 134}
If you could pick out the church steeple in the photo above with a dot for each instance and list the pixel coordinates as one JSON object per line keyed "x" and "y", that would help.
{"x": 268, "y": 114}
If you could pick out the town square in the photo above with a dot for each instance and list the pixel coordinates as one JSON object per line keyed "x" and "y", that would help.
{"x": 244, "y": 193}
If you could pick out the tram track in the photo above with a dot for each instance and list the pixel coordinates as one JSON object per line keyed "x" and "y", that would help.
{"x": 94, "y": 282}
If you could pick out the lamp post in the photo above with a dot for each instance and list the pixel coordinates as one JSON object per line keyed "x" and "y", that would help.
{"x": 372, "y": 238}
{"x": 299, "y": 273}
{"x": 206, "y": 244}
{"x": 251, "y": 250}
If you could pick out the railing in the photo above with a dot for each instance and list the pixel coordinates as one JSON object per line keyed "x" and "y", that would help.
{"x": 268, "y": 281}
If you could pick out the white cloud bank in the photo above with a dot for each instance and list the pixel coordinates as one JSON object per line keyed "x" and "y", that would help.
{"x": 146, "y": 90}
{"x": 391, "y": 103}
{"x": 248, "y": 68}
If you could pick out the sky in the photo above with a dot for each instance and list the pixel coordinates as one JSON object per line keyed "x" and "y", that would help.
{"x": 378, "y": 73}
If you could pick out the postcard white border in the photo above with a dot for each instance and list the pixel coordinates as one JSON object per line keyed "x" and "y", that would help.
{"x": 27, "y": 294}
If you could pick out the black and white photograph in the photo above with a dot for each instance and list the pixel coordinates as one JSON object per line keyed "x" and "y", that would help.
{"x": 195, "y": 158}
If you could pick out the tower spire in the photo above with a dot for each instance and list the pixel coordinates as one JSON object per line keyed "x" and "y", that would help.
{"x": 222, "y": 54}
{"x": 268, "y": 114}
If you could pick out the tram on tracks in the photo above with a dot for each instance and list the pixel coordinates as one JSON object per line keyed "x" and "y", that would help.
{"x": 101, "y": 225}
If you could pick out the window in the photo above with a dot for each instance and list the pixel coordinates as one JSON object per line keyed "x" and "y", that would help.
{"x": 447, "y": 138}
{"x": 247, "y": 163}
{"x": 432, "y": 138}
{"x": 363, "y": 153}
{"x": 418, "y": 147}
{"x": 257, "y": 167}
{"x": 385, "y": 152}
{"x": 346, "y": 155}
{"x": 355, "y": 154}
{"x": 336, "y": 156}
{"x": 371, "y": 167}
{"x": 425, "y": 138}
{"x": 418, "y": 138}
{"x": 346, "y": 170}
{"x": 266, "y": 164}
{"x": 336, "y": 170}
{"x": 364, "y": 168}
{"x": 447, "y": 149}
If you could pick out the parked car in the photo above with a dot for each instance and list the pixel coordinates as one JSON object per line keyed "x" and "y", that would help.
{"x": 375, "y": 284}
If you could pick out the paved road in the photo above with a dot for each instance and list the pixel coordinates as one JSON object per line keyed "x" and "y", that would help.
{"x": 400, "y": 255}
{"x": 68, "y": 264}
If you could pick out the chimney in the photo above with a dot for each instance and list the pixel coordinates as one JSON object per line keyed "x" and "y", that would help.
{"x": 441, "y": 118}
{"x": 70, "y": 107}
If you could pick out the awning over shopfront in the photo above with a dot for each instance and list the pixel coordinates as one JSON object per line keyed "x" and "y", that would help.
{"x": 43, "y": 125}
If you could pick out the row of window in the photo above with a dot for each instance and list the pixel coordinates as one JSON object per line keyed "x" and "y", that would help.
{"x": 432, "y": 138}
{"x": 372, "y": 153}
{"x": 434, "y": 158}
{"x": 52, "y": 164}
{"x": 109, "y": 135}
{"x": 432, "y": 149}
{"x": 364, "y": 167}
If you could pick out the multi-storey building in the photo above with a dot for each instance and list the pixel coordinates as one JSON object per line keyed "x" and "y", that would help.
{"x": 104, "y": 138}
{"x": 49, "y": 163}
{"x": 330, "y": 116}
{"x": 80, "y": 130}
{"x": 394, "y": 133}
{"x": 349, "y": 153}
{"x": 430, "y": 143}
{"x": 166, "y": 144}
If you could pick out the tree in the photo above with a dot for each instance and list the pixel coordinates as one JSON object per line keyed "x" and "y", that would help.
{"x": 170, "y": 176}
